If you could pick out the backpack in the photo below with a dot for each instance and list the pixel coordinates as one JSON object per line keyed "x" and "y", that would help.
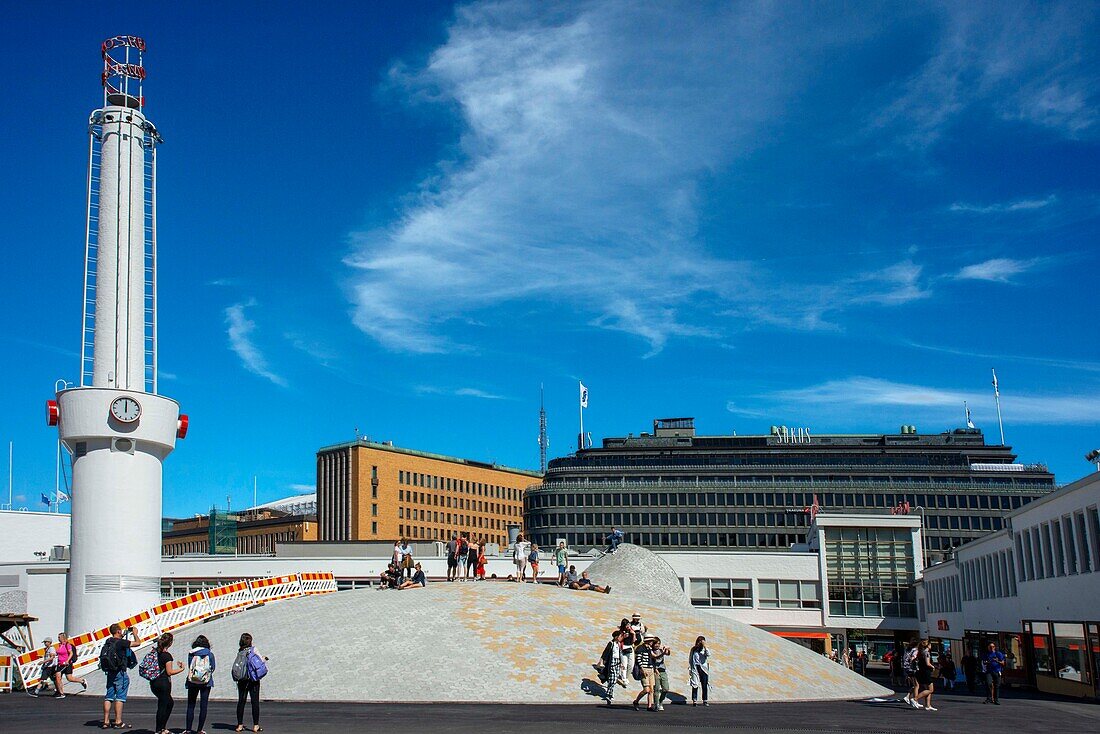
{"x": 150, "y": 665}
{"x": 199, "y": 671}
{"x": 240, "y": 665}
{"x": 533, "y": 557}
{"x": 110, "y": 661}
{"x": 257, "y": 668}
{"x": 910, "y": 660}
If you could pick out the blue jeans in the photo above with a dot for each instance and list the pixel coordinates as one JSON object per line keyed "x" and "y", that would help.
{"x": 118, "y": 683}
{"x": 615, "y": 541}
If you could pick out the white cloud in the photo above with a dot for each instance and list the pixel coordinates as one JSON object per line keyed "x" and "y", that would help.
{"x": 302, "y": 488}
{"x": 1035, "y": 63}
{"x": 461, "y": 392}
{"x": 997, "y": 270}
{"x": 1020, "y": 205}
{"x": 586, "y": 129}
{"x": 854, "y": 394}
{"x": 239, "y": 330}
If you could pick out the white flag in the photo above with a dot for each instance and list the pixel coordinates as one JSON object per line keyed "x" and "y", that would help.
{"x": 584, "y": 395}
{"x": 969, "y": 423}
{"x": 62, "y": 497}
{"x": 996, "y": 389}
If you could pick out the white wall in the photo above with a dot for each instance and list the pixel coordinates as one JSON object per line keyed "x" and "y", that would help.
{"x": 24, "y": 533}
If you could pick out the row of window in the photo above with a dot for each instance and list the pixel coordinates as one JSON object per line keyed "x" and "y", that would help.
{"x": 462, "y": 522}
{"x": 988, "y": 577}
{"x": 1062, "y": 649}
{"x": 1065, "y": 546}
{"x": 458, "y": 503}
{"x": 943, "y": 595}
{"x": 672, "y": 540}
{"x": 668, "y": 519}
{"x": 771, "y": 593}
{"x": 251, "y": 543}
{"x": 449, "y": 484}
{"x": 948, "y": 500}
{"x": 423, "y": 532}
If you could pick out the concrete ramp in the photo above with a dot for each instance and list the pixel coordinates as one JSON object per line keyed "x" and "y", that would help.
{"x": 498, "y": 641}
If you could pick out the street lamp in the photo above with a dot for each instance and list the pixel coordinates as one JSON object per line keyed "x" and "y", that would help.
{"x": 1093, "y": 457}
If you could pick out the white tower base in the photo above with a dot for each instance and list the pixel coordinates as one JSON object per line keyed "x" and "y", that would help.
{"x": 115, "y": 552}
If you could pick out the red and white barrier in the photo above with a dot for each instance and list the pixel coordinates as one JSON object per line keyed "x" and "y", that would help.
{"x": 227, "y": 598}
{"x": 276, "y": 587}
{"x": 167, "y": 617}
{"x": 181, "y": 612}
{"x": 317, "y": 583}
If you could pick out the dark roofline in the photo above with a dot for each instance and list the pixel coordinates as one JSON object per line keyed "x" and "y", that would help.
{"x": 364, "y": 443}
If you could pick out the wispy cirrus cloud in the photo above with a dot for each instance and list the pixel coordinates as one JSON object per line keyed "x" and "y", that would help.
{"x": 1019, "y": 205}
{"x": 1071, "y": 364}
{"x": 847, "y": 397}
{"x": 1035, "y": 64}
{"x": 239, "y": 329}
{"x": 997, "y": 270}
{"x": 460, "y": 392}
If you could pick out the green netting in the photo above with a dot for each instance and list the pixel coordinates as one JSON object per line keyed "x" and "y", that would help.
{"x": 223, "y": 532}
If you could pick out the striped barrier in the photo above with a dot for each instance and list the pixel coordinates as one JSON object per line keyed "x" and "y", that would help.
{"x": 166, "y": 617}
{"x": 275, "y": 588}
{"x": 227, "y": 598}
{"x": 186, "y": 610}
{"x": 317, "y": 583}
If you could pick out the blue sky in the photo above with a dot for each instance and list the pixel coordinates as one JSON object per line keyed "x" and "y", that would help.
{"x": 404, "y": 217}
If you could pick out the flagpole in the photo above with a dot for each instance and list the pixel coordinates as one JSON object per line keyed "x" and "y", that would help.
{"x": 997, "y": 398}
{"x": 57, "y": 477}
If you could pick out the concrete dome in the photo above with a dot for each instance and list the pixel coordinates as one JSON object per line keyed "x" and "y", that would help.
{"x": 504, "y": 642}
{"x": 635, "y": 571}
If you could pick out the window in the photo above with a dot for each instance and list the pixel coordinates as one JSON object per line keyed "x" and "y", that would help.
{"x": 374, "y": 528}
{"x": 374, "y": 510}
{"x": 778, "y": 594}
{"x": 1070, "y": 652}
{"x": 721, "y": 593}
{"x": 1071, "y": 548}
{"x": 1082, "y": 543}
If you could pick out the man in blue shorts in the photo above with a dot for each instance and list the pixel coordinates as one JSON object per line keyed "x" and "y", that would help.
{"x": 115, "y": 659}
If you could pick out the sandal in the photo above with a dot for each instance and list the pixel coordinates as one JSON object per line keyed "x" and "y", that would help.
{"x": 240, "y": 727}
{"x": 121, "y": 725}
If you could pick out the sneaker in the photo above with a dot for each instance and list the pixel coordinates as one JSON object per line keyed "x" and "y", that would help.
{"x": 914, "y": 704}
{"x": 59, "y": 694}
{"x": 705, "y": 703}
{"x": 607, "y": 701}
{"x": 83, "y": 684}
{"x": 635, "y": 705}
{"x": 987, "y": 701}
{"x": 929, "y": 708}
{"x": 907, "y": 699}
{"x": 996, "y": 703}
{"x": 660, "y": 707}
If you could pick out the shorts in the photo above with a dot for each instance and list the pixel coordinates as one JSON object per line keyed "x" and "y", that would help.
{"x": 924, "y": 678}
{"x": 534, "y": 567}
{"x": 462, "y": 561}
{"x": 561, "y": 569}
{"x": 66, "y": 669}
{"x": 452, "y": 562}
{"x": 649, "y": 677}
{"x": 117, "y": 685}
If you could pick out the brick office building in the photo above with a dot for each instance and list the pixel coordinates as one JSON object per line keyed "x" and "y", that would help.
{"x": 378, "y": 491}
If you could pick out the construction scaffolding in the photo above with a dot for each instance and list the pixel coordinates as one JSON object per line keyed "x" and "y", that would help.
{"x": 223, "y": 532}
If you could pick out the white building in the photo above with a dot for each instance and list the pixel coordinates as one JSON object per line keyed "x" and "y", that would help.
{"x": 1033, "y": 588}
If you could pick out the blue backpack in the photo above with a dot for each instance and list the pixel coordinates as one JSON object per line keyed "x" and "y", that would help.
{"x": 257, "y": 668}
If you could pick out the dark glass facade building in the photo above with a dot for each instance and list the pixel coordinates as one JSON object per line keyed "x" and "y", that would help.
{"x": 671, "y": 489}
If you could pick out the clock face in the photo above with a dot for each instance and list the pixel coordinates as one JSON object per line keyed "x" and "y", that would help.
{"x": 126, "y": 409}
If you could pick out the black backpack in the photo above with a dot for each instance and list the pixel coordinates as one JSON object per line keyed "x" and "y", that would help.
{"x": 110, "y": 661}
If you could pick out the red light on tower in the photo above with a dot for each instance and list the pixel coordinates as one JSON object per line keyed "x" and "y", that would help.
{"x": 53, "y": 413}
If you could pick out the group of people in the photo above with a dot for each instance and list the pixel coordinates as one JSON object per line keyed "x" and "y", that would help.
{"x": 912, "y": 666}
{"x": 158, "y": 666}
{"x": 633, "y": 651}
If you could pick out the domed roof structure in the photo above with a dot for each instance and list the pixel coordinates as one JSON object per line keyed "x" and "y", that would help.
{"x": 497, "y": 641}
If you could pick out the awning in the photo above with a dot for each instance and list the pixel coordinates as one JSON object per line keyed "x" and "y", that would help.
{"x": 801, "y": 635}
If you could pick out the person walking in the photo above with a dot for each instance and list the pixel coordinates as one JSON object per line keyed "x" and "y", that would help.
{"x": 249, "y": 668}
{"x": 660, "y": 689}
{"x": 644, "y": 665}
{"x": 994, "y": 664}
{"x": 472, "y": 554}
{"x": 115, "y": 660}
{"x": 200, "y": 679}
{"x": 948, "y": 671}
{"x": 561, "y": 559}
{"x": 640, "y": 630}
{"x": 49, "y": 669}
{"x": 909, "y": 667}
{"x": 520, "y": 550}
{"x": 629, "y": 643}
{"x": 699, "y": 670}
{"x": 897, "y": 671}
{"x": 66, "y": 658}
{"x": 923, "y": 673}
{"x": 613, "y": 664}
{"x": 158, "y": 667}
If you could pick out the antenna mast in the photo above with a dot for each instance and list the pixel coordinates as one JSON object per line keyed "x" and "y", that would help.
{"x": 544, "y": 441}
{"x": 997, "y": 398}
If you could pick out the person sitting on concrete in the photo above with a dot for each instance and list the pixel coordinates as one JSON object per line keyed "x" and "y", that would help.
{"x": 417, "y": 581}
{"x": 391, "y": 577}
{"x": 585, "y": 584}
{"x": 614, "y": 540}
{"x": 571, "y": 576}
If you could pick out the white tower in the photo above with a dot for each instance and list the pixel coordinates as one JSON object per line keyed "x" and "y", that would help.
{"x": 115, "y": 426}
